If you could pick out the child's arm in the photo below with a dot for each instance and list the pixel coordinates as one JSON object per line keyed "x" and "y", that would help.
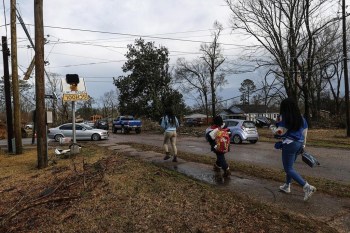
{"x": 279, "y": 130}
{"x": 213, "y": 133}
{"x": 211, "y": 141}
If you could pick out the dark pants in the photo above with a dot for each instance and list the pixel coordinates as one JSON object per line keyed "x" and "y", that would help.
{"x": 221, "y": 161}
{"x": 220, "y": 157}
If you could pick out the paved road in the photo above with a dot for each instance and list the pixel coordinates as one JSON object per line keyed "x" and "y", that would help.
{"x": 335, "y": 163}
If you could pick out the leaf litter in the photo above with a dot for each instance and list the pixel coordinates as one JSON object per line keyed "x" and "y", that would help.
{"x": 111, "y": 192}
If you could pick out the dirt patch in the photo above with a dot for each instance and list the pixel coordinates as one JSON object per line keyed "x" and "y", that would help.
{"x": 103, "y": 191}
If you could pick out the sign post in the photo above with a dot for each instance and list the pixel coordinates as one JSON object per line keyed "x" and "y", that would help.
{"x": 74, "y": 89}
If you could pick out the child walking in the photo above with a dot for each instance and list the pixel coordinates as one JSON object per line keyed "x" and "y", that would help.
{"x": 170, "y": 124}
{"x": 220, "y": 156}
{"x": 292, "y": 129}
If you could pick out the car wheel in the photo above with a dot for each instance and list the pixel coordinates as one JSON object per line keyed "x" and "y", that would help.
{"x": 138, "y": 131}
{"x": 237, "y": 139}
{"x": 57, "y": 137}
{"x": 95, "y": 137}
{"x": 253, "y": 141}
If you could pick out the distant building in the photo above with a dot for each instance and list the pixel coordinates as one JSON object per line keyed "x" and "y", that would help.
{"x": 249, "y": 112}
{"x": 94, "y": 118}
{"x": 199, "y": 117}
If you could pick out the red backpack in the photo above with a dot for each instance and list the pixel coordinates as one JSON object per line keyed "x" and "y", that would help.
{"x": 222, "y": 140}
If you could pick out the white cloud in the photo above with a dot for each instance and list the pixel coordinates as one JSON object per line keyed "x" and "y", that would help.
{"x": 138, "y": 17}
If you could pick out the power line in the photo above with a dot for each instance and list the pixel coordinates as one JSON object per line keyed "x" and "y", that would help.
{"x": 134, "y": 35}
{"x": 87, "y": 64}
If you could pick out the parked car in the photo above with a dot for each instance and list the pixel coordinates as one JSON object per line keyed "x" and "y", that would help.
{"x": 90, "y": 123}
{"x": 263, "y": 122}
{"x": 241, "y": 130}
{"x": 126, "y": 124}
{"x": 101, "y": 124}
{"x": 192, "y": 122}
{"x": 83, "y": 132}
{"x": 29, "y": 126}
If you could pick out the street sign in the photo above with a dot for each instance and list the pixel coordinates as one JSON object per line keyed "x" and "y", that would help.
{"x": 74, "y": 92}
{"x": 83, "y": 96}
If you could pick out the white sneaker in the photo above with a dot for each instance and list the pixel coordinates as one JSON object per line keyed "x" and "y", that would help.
{"x": 309, "y": 190}
{"x": 285, "y": 188}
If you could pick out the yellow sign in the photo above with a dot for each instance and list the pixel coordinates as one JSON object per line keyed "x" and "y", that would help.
{"x": 76, "y": 97}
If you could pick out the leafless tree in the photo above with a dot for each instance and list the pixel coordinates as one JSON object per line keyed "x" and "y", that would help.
{"x": 53, "y": 87}
{"x": 109, "y": 103}
{"x": 287, "y": 30}
{"x": 194, "y": 76}
{"x": 213, "y": 58}
{"x": 270, "y": 91}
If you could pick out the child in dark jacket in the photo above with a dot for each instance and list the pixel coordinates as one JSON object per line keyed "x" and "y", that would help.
{"x": 220, "y": 157}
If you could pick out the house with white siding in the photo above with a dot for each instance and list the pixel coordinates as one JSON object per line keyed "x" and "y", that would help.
{"x": 249, "y": 112}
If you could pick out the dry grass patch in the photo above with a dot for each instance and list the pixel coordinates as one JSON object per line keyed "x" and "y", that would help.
{"x": 323, "y": 185}
{"x": 332, "y": 138}
{"x": 99, "y": 191}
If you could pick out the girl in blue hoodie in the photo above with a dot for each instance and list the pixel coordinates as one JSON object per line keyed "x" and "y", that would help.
{"x": 292, "y": 129}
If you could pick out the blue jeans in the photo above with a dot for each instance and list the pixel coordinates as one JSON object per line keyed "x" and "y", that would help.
{"x": 221, "y": 161}
{"x": 289, "y": 155}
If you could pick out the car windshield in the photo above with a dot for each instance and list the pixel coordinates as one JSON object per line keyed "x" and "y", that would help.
{"x": 230, "y": 123}
{"x": 249, "y": 124}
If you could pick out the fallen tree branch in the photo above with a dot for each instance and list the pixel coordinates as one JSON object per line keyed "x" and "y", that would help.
{"x": 57, "y": 199}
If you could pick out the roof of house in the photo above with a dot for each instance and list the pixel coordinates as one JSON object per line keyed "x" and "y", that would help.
{"x": 241, "y": 109}
{"x": 195, "y": 115}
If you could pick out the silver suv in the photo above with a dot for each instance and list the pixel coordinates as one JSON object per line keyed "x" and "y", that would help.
{"x": 242, "y": 130}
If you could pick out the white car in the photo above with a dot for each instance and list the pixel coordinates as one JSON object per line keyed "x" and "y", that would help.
{"x": 241, "y": 130}
{"x": 29, "y": 126}
{"x": 83, "y": 132}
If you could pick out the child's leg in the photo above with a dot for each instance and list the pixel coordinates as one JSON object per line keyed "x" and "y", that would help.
{"x": 165, "y": 141}
{"x": 221, "y": 161}
{"x": 165, "y": 145}
{"x": 173, "y": 142}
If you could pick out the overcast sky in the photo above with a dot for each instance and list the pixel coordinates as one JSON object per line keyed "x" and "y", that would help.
{"x": 89, "y": 37}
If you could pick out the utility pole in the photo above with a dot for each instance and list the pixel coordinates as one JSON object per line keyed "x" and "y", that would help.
{"x": 7, "y": 86}
{"x": 15, "y": 84}
{"x": 40, "y": 85}
{"x": 346, "y": 75}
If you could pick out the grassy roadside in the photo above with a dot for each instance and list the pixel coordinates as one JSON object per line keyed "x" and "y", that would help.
{"x": 330, "y": 138}
{"x": 323, "y": 185}
{"x": 98, "y": 191}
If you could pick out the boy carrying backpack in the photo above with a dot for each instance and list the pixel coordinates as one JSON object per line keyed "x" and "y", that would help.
{"x": 219, "y": 140}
